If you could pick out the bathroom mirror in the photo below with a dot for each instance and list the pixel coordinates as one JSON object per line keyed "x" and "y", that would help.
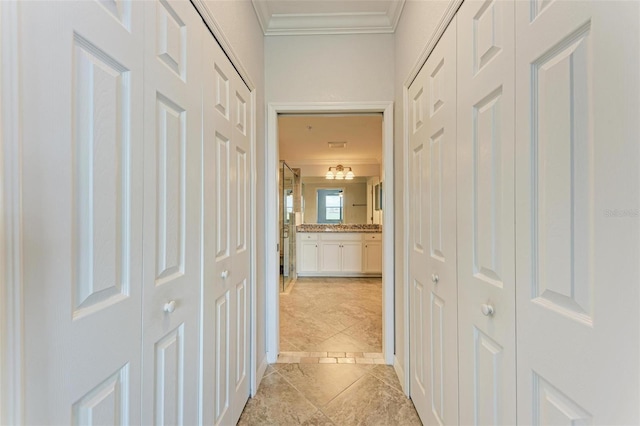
{"x": 336, "y": 201}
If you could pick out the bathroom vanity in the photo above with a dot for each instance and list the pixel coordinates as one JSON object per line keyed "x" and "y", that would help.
{"x": 339, "y": 250}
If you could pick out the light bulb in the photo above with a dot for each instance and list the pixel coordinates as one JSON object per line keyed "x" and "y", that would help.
{"x": 329, "y": 175}
{"x": 349, "y": 175}
{"x": 339, "y": 175}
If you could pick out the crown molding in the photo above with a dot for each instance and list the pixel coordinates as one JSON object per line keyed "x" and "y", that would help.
{"x": 328, "y": 23}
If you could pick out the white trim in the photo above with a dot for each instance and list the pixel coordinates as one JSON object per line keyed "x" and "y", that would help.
{"x": 448, "y": 15}
{"x": 262, "y": 368}
{"x": 11, "y": 307}
{"x": 328, "y": 23}
{"x": 215, "y": 28}
{"x": 256, "y": 375}
{"x": 406, "y": 320}
{"x": 401, "y": 377}
{"x": 271, "y": 176}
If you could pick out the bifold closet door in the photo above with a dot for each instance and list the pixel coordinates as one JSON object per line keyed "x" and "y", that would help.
{"x": 227, "y": 271}
{"x": 82, "y": 105}
{"x": 432, "y": 261}
{"x": 577, "y": 197}
{"x": 172, "y": 226}
{"x": 486, "y": 255}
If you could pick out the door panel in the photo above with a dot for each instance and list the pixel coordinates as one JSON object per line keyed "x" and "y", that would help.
{"x": 577, "y": 185}
{"x": 81, "y": 198}
{"x": 486, "y": 274}
{"x": 227, "y": 279}
{"x": 432, "y": 260}
{"x": 172, "y": 275}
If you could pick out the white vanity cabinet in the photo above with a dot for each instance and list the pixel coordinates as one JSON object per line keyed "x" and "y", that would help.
{"x": 340, "y": 253}
{"x": 349, "y": 254}
{"x": 307, "y": 253}
{"x": 372, "y": 257}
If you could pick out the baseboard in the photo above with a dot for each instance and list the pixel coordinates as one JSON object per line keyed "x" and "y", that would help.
{"x": 400, "y": 374}
{"x": 262, "y": 367}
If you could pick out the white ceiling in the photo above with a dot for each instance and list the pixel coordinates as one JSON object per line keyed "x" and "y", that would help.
{"x": 304, "y": 141}
{"x": 295, "y": 17}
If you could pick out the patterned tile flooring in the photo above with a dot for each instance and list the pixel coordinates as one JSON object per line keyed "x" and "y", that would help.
{"x": 329, "y": 371}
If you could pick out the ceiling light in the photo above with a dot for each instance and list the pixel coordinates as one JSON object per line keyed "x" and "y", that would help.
{"x": 340, "y": 173}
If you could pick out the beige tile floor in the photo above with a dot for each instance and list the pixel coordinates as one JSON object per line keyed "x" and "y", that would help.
{"x": 332, "y": 314}
{"x": 329, "y": 371}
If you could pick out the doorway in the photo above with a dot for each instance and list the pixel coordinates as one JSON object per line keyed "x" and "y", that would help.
{"x": 386, "y": 174}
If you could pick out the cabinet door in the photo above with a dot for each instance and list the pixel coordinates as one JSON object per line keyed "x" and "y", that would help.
{"x": 330, "y": 256}
{"x": 308, "y": 257}
{"x": 351, "y": 256}
{"x": 373, "y": 257}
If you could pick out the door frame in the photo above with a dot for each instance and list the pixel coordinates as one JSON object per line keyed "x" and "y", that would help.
{"x": 271, "y": 216}
{"x": 11, "y": 302}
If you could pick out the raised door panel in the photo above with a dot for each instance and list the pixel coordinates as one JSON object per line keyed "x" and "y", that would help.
{"x": 373, "y": 257}
{"x": 485, "y": 212}
{"x": 351, "y": 257}
{"x": 576, "y": 259}
{"x": 172, "y": 275}
{"x": 330, "y": 256}
{"x": 309, "y": 257}
{"x": 81, "y": 199}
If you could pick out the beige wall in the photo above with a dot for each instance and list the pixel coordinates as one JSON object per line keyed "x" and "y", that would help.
{"x": 417, "y": 24}
{"x": 334, "y": 68}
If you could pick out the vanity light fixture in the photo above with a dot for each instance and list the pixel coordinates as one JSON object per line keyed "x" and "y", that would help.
{"x": 340, "y": 173}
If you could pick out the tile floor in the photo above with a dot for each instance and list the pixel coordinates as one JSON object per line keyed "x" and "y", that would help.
{"x": 329, "y": 371}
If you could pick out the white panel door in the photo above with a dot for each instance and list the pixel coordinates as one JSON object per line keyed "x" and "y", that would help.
{"x": 577, "y": 200}
{"x": 172, "y": 152}
{"x": 81, "y": 94}
{"x": 486, "y": 258}
{"x": 227, "y": 279}
{"x": 433, "y": 286}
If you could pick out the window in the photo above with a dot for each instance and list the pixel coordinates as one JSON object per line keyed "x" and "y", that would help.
{"x": 330, "y": 204}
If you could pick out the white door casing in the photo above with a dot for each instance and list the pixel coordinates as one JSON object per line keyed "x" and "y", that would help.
{"x": 577, "y": 199}
{"x": 227, "y": 245}
{"x": 172, "y": 152}
{"x": 82, "y": 65}
{"x": 486, "y": 259}
{"x": 433, "y": 284}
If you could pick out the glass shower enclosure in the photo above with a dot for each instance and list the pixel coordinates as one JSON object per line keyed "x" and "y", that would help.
{"x": 287, "y": 226}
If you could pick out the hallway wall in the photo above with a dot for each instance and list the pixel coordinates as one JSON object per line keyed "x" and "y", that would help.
{"x": 329, "y": 68}
{"x": 239, "y": 23}
{"x": 417, "y": 24}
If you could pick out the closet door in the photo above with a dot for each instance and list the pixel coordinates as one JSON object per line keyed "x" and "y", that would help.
{"x": 577, "y": 199}
{"x": 172, "y": 274}
{"x": 433, "y": 286}
{"x": 486, "y": 258}
{"x": 227, "y": 279}
{"x": 81, "y": 100}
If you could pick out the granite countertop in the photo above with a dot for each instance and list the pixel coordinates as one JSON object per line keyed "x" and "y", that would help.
{"x": 320, "y": 227}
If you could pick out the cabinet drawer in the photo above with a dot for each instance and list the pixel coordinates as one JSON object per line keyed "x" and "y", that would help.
{"x": 373, "y": 237}
{"x": 307, "y": 237}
